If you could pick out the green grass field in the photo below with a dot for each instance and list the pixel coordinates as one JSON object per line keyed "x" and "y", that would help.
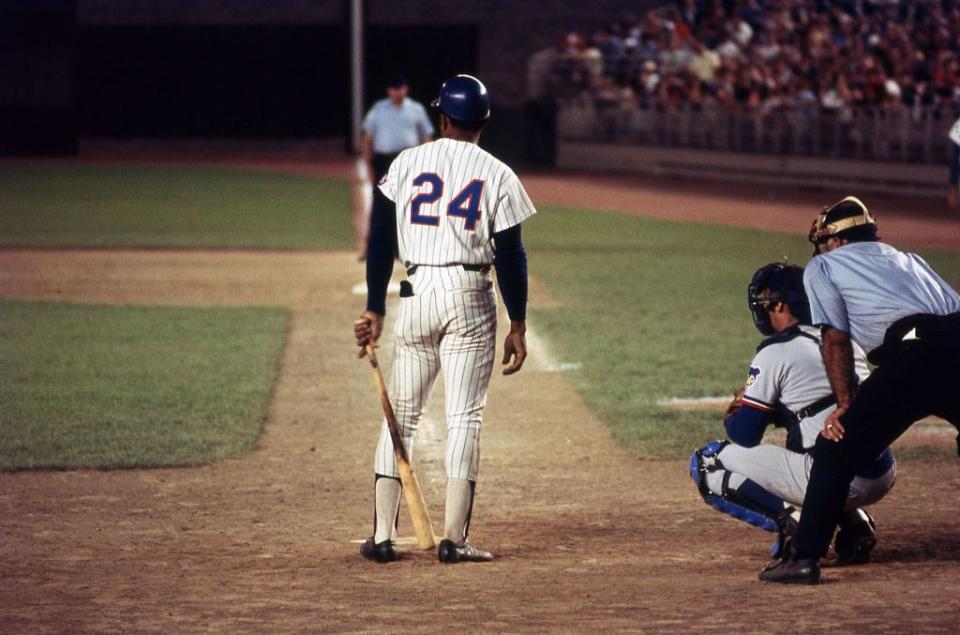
{"x": 121, "y": 206}
{"x": 652, "y": 309}
{"x": 128, "y": 386}
{"x": 656, "y": 309}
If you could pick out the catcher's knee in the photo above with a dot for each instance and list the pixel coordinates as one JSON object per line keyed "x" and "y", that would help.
{"x": 705, "y": 461}
{"x": 713, "y": 483}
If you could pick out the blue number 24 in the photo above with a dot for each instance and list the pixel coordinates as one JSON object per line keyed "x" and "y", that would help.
{"x": 465, "y": 205}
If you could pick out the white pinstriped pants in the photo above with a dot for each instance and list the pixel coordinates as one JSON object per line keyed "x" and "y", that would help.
{"x": 449, "y": 326}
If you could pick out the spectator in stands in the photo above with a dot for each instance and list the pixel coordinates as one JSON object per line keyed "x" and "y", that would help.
{"x": 879, "y": 53}
{"x": 648, "y": 84}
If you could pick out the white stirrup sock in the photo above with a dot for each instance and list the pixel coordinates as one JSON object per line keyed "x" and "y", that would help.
{"x": 459, "y": 506}
{"x": 387, "y": 504}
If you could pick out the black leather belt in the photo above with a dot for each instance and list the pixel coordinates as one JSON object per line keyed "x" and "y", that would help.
{"x": 922, "y": 327}
{"x": 478, "y": 268}
{"x": 816, "y": 407}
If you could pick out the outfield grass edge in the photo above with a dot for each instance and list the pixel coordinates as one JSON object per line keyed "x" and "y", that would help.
{"x": 104, "y": 387}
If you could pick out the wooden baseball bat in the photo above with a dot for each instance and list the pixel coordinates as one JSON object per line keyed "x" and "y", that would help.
{"x": 408, "y": 478}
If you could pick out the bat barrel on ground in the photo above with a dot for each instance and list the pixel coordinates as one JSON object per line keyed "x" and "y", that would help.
{"x": 408, "y": 478}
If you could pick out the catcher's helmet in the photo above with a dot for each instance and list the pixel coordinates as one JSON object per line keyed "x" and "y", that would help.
{"x": 777, "y": 282}
{"x": 848, "y": 219}
{"x": 464, "y": 99}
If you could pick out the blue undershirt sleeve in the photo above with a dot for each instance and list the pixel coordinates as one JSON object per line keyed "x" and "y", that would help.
{"x": 381, "y": 250}
{"x": 955, "y": 164}
{"x": 510, "y": 261}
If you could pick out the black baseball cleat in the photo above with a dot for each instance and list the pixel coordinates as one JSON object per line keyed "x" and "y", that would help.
{"x": 787, "y": 525}
{"x": 792, "y": 570}
{"x": 856, "y": 538}
{"x": 450, "y": 552}
{"x": 381, "y": 552}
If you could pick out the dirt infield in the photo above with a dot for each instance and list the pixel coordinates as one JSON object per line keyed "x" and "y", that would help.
{"x": 589, "y": 537}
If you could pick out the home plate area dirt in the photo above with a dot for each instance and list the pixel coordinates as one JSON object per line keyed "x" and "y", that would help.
{"x": 588, "y": 536}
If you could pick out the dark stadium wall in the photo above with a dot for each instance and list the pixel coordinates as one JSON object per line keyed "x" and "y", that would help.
{"x": 222, "y": 12}
{"x": 36, "y": 77}
{"x": 424, "y": 54}
{"x": 165, "y": 68}
{"x": 507, "y": 32}
{"x": 276, "y": 81}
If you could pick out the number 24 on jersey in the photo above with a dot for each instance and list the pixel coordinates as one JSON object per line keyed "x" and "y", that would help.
{"x": 465, "y": 205}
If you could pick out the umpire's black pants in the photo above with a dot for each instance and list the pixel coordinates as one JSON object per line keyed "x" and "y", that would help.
{"x": 915, "y": 379}
{"x": 381, "y": 163}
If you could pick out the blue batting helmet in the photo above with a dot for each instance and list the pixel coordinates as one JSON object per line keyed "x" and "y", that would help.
{"x": 464, "y": 98}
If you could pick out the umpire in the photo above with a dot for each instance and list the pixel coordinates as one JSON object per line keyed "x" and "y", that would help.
{"x": 391, "y": 126}
{"x": 895, "y": 306}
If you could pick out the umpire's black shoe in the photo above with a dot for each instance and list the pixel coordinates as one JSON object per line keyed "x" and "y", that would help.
{"x": 792, "y": 570}
{"x": 856, "y": 538}
{"x": 385, "y": 551}
{"x": 450, "y": 552}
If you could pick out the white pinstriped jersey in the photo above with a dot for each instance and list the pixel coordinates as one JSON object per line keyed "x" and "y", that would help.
{"x": 451, "y": 197}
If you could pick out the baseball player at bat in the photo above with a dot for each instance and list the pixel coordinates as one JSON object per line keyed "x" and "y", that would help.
{"x": 454, "y": 212}
{"x": 787, "y": 386}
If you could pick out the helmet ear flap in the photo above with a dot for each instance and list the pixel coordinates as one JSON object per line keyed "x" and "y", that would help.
{"x": 816, "y": 227}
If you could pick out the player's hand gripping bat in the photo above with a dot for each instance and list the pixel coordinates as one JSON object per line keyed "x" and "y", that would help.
{"x": 408, "y": 478}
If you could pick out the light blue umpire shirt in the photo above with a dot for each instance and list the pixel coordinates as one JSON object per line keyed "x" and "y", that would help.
{"x": 396, "y": 128}
{"x": 862, "y": 288}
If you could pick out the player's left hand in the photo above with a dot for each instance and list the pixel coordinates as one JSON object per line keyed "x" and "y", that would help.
{"x": 832, "y": 428}
{"x": 515, "y": 346}
{"x": 367, "y": 330}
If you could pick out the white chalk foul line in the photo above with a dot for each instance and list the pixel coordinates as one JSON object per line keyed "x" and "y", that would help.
{"x": 364, "y": 179}
{"x": 695, "y": 402}
{"x": 542, "y": 358}
{"x": 361, "y": 288}
{"x": 403, "y": 541}
{"x": 930, "y": 425}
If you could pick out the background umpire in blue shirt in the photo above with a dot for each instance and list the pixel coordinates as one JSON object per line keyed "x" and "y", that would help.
{"x": 391, "y": 126}
{"x": 908, "y": 319}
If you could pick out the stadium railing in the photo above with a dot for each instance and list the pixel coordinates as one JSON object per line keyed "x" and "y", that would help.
{"x": 883, "y": 133}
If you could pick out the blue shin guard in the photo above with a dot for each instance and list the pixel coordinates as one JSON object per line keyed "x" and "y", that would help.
{"x": 731, "y": 503}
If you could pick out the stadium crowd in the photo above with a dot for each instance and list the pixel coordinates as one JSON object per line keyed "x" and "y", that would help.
{"x": 762, "y": 56}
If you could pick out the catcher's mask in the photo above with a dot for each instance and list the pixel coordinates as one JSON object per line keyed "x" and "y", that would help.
{"x": 772, "y": 283}
{"x": 848, "y": 219}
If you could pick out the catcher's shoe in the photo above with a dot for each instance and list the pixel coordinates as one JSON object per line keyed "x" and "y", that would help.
{"x": 792, "y": 570}
{"x": 787, "y": 525}
{"x": 856, "y": 538}
{"x": 450, "y": 552}
{"x": 381, "y": 552}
